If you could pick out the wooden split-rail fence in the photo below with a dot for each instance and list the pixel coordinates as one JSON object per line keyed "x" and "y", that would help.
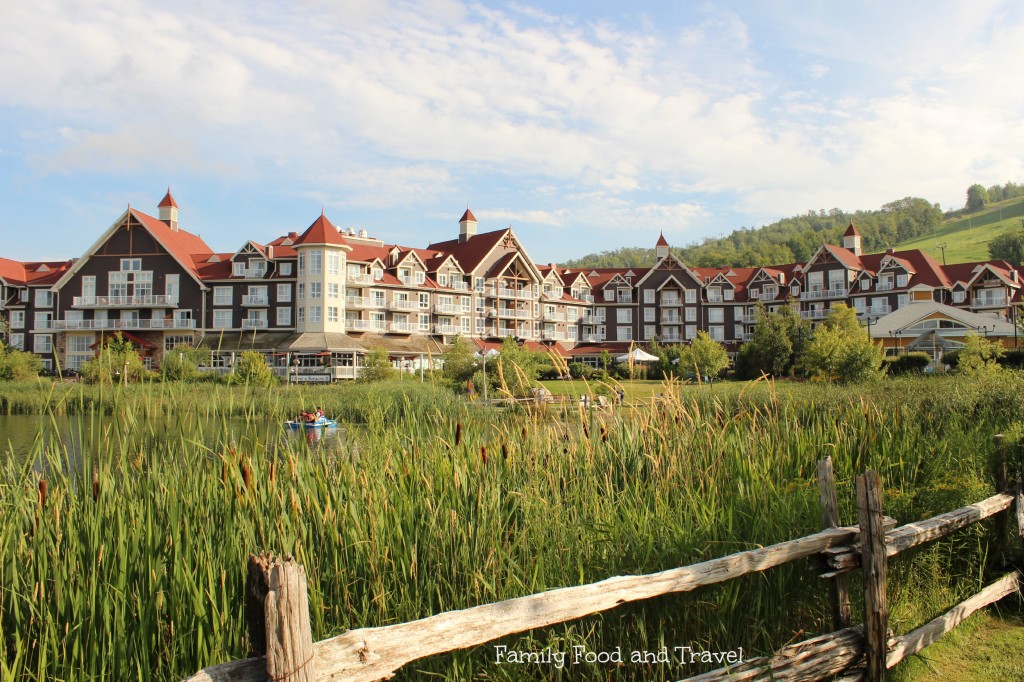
{"x": 277, "y": 610}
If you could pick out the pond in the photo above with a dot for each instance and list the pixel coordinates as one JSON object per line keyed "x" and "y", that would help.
{"x": 23, "y": 435}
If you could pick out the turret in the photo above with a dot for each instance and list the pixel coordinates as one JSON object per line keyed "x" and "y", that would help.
{"x": 467, "y": 226}
{"x": 169, "y": 211}
{"x": 851, "y": 239}
{"x": 661, "y": 248}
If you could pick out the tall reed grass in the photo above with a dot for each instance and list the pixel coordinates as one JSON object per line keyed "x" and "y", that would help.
{"x": 131, "y": 564}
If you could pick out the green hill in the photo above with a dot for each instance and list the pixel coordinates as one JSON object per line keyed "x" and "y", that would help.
{"x": 966, "y": 238}
{"x": 910, "y": 223}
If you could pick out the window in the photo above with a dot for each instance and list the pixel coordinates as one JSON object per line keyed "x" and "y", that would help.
{"x": 378, "y": 274}
{"x": 42, "y": 343}
{"x": 302, "y": 314}
{"x": 424, "y": 301}
{"x": 18, "y": 319}
{"x": 901, "y": 280}
{"x": 815, "y": 280}
{"x": 284, "y": 293}
{"x": 691, "y": 314}
{"x": 239, "y": 269}
{"x": 624, "y": 315}
{"x": 131, "y": 264}
{"x": 332, "y": 313}
{"x": 17, "y": 341}
{"x": 648, "y": 331}
{"x": 377, "y": 298}
{"x": 649, "y": 295}
{"x": 332, "y": 290}
{"x": 738, "y": 331}
{"x": 333, "y": 263}
{"x": 44, "y": 298}
{"x": 284, "y": 316}
{"x": 600, "y": 314}
{"x": 420, "y": 278}
{"x": 43, "y": 320}
{"x": 691, "y": 332}
{"x": 171, "y": 289}
{"x": 377, "y": 320}
{"x": 171, "y": 342}
{"x": 902, "y": 300}
{"x": 572, "y": 332}
{"x": 286, "y": 269}
{"x": 302, "y": 291}
{"x": 315, "y": 261}
{"x": 958, "y": 297}
{"x": 314, "y": 314}
{"x": 648, "y": 314}
{"x": 424, "y": 322}
{"x": 222, "y": 319}
{"x": 89, "y": 287}
{"x": 302, "y": 263}
{"x": 691, "y": 295}
{"x": 624, "y": 333}
{"x": 729, "y": 294}
{"x": 479, "y": 286}
{"x": 717, "y": 332}
{"x": 222, "y": 295}
{"x": 442, "y": 280}
{"x": 716, "y": 315}
{"x": 609, "y": 294}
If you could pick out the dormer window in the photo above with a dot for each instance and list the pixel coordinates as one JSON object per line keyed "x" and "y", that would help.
{"x": 420, "y": 278}
{"x": 442, "y": 280}
{"x": 901, "y": 280}
{"x": 729, "y": 294}
{"x": 378, "y": 274}
{"x": 239, "y": 269}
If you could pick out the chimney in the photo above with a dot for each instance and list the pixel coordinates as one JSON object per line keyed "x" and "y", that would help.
{"x": 270, "y": 252}
{"x": 467, "y": 226}
{"x": 363, "y": 234}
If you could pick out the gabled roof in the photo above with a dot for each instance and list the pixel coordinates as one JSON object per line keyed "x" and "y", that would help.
{"x": 322, "y": 231}
{"x": 851, "y": 231}
{"x": 12, "y": 272}
{"x": 474, "y": 250}
{"x": 183, "y": 246}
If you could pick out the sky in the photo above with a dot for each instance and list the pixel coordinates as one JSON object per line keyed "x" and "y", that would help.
{"x": 586, "y": 126}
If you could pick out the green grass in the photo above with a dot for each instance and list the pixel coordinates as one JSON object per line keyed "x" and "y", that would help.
{"x": 133, "y": 567}
{"x": 966, "y": 239}
{"x": 635, "y": 389}
{"x": 985, "y": 648}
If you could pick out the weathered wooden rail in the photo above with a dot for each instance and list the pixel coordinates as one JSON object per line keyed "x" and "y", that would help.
{"x": 278, "y": 618}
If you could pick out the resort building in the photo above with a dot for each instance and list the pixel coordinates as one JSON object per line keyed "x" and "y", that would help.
{"x": 316, "y": 302}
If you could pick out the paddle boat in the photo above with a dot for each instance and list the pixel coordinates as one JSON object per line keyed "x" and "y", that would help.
{"x": 321, "y": 423}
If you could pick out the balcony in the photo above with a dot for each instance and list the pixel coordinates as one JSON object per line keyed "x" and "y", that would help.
{"x": 359, "y": 278}
{"x": 554, "y": 317}
{"x": 671, "y": 319}
{"x": 149, "y": 301}
{"x": 715, "y": 298}
{"x": 874, "y": 311}
{"x": 670, "y": 302}
{"x": 458, "y": 285}
{"x": 254, "y": 323}
{"x": 818, "y": 293}
{"x": 553, "y": 335}
{"x": 997, "y": 301}
{"x": 493, "y": 292}
{"x": 124, "y": 324}
{"x": 671, "y": 338}
{"x": 450, "y": 309}
{"x": 749, "y": 318}
{"x": 624, "y": 299}
{"x": 746, "y": 336}
{"x": 885, "y": 286}
{"x": 813, "y": 314}
{"x": 399, "y": 304}
{"x": 356, "y": 302}
{"x": 447, "y": 329}
{"x": 402, "y": 327}
{"x": 256, "y": 300}
{"x": 357, "y": 325}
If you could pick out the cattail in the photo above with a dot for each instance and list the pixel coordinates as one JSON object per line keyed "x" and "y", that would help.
{"x": 483, "y": 454}
{"x": 458, "y": 433}
{"x": 604, "y": 435}
{"x": 95, "y": 485}
{"x": 271, "y": 471}
{"x": 504, "y": 451}
{"x": 586, "y": 432}
{"x": 42, "y": 492}
{"x": 246, "y": 474}
{"x": 223, "y": 473}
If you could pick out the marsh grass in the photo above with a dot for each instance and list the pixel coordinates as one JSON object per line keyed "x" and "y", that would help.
{"x": 133, "y": 564}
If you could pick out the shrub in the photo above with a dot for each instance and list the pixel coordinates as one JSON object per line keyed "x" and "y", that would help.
{"x": 16, "y": 365}
{"x": 118, "y": 361}
{"x": 979, "y": 355}
{"x": 251, "y": 369}
{"x": 377, "y": 366}
{"x": 578, "y": 370}
{"x": 1013, "y": 359}
{"x": 910, "y": 363}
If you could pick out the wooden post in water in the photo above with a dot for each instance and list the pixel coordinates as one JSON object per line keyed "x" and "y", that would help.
{"x": 839, "y": 592}
{"x": 875, "y": 566}
{"x": 277, "y": 617}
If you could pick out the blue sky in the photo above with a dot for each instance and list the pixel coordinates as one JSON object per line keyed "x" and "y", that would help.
{"x": 586, "y": 126}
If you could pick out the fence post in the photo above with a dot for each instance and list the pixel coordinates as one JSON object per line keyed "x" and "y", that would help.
{"x": 839, "y": 593}
{"x": 875, "y": 566}
{"x": 277, "y": 617}
{"x": 1000, "y": 476}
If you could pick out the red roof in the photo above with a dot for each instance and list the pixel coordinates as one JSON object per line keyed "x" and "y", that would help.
{"x": 851, "y": 231}
{"x": 183, "y": 245}
{"x": 661, "y": 240}
{"x": 471, "y": 252}
{"x": 168, "y": 200}
{"x": 12, "y": 272}
{"x": 321, "y": 232}
{"x": 468, "y": 215}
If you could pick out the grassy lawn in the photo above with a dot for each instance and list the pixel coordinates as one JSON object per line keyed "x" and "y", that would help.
{"x": 985, "y": 648}
{"x": 967, "y": 239}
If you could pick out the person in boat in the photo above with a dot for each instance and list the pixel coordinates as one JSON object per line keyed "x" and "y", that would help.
{"x": 319, "y": 413}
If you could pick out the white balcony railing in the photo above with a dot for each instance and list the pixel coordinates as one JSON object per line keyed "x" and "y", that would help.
{"x": 357, "y": 325}
{"x": 874, "y": 310}
{"x": 593, "y": 338}
{"x": 458, "y": 285}
{"x": 988, "y": 301}
{"x": 124, "y": 324}
{"x": 553, "y": 335}
{"x": 256, "y": 300}
{"x": 359, "y": 278}
{"x": 449, "y": 309}
{"x": 404, "y": 305}
{"x": 555, "y": 317}
{"x": 813, "y": 314}
{"x": 447, "y": 329}
{"x": 357, "y": 302}
{"x": 254, "y": 324}
{"x": 670, "y": 302}
{"x": 402, "y": 327}
{"x": 715, "y": 298}
{"x": 124, "y": 301}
